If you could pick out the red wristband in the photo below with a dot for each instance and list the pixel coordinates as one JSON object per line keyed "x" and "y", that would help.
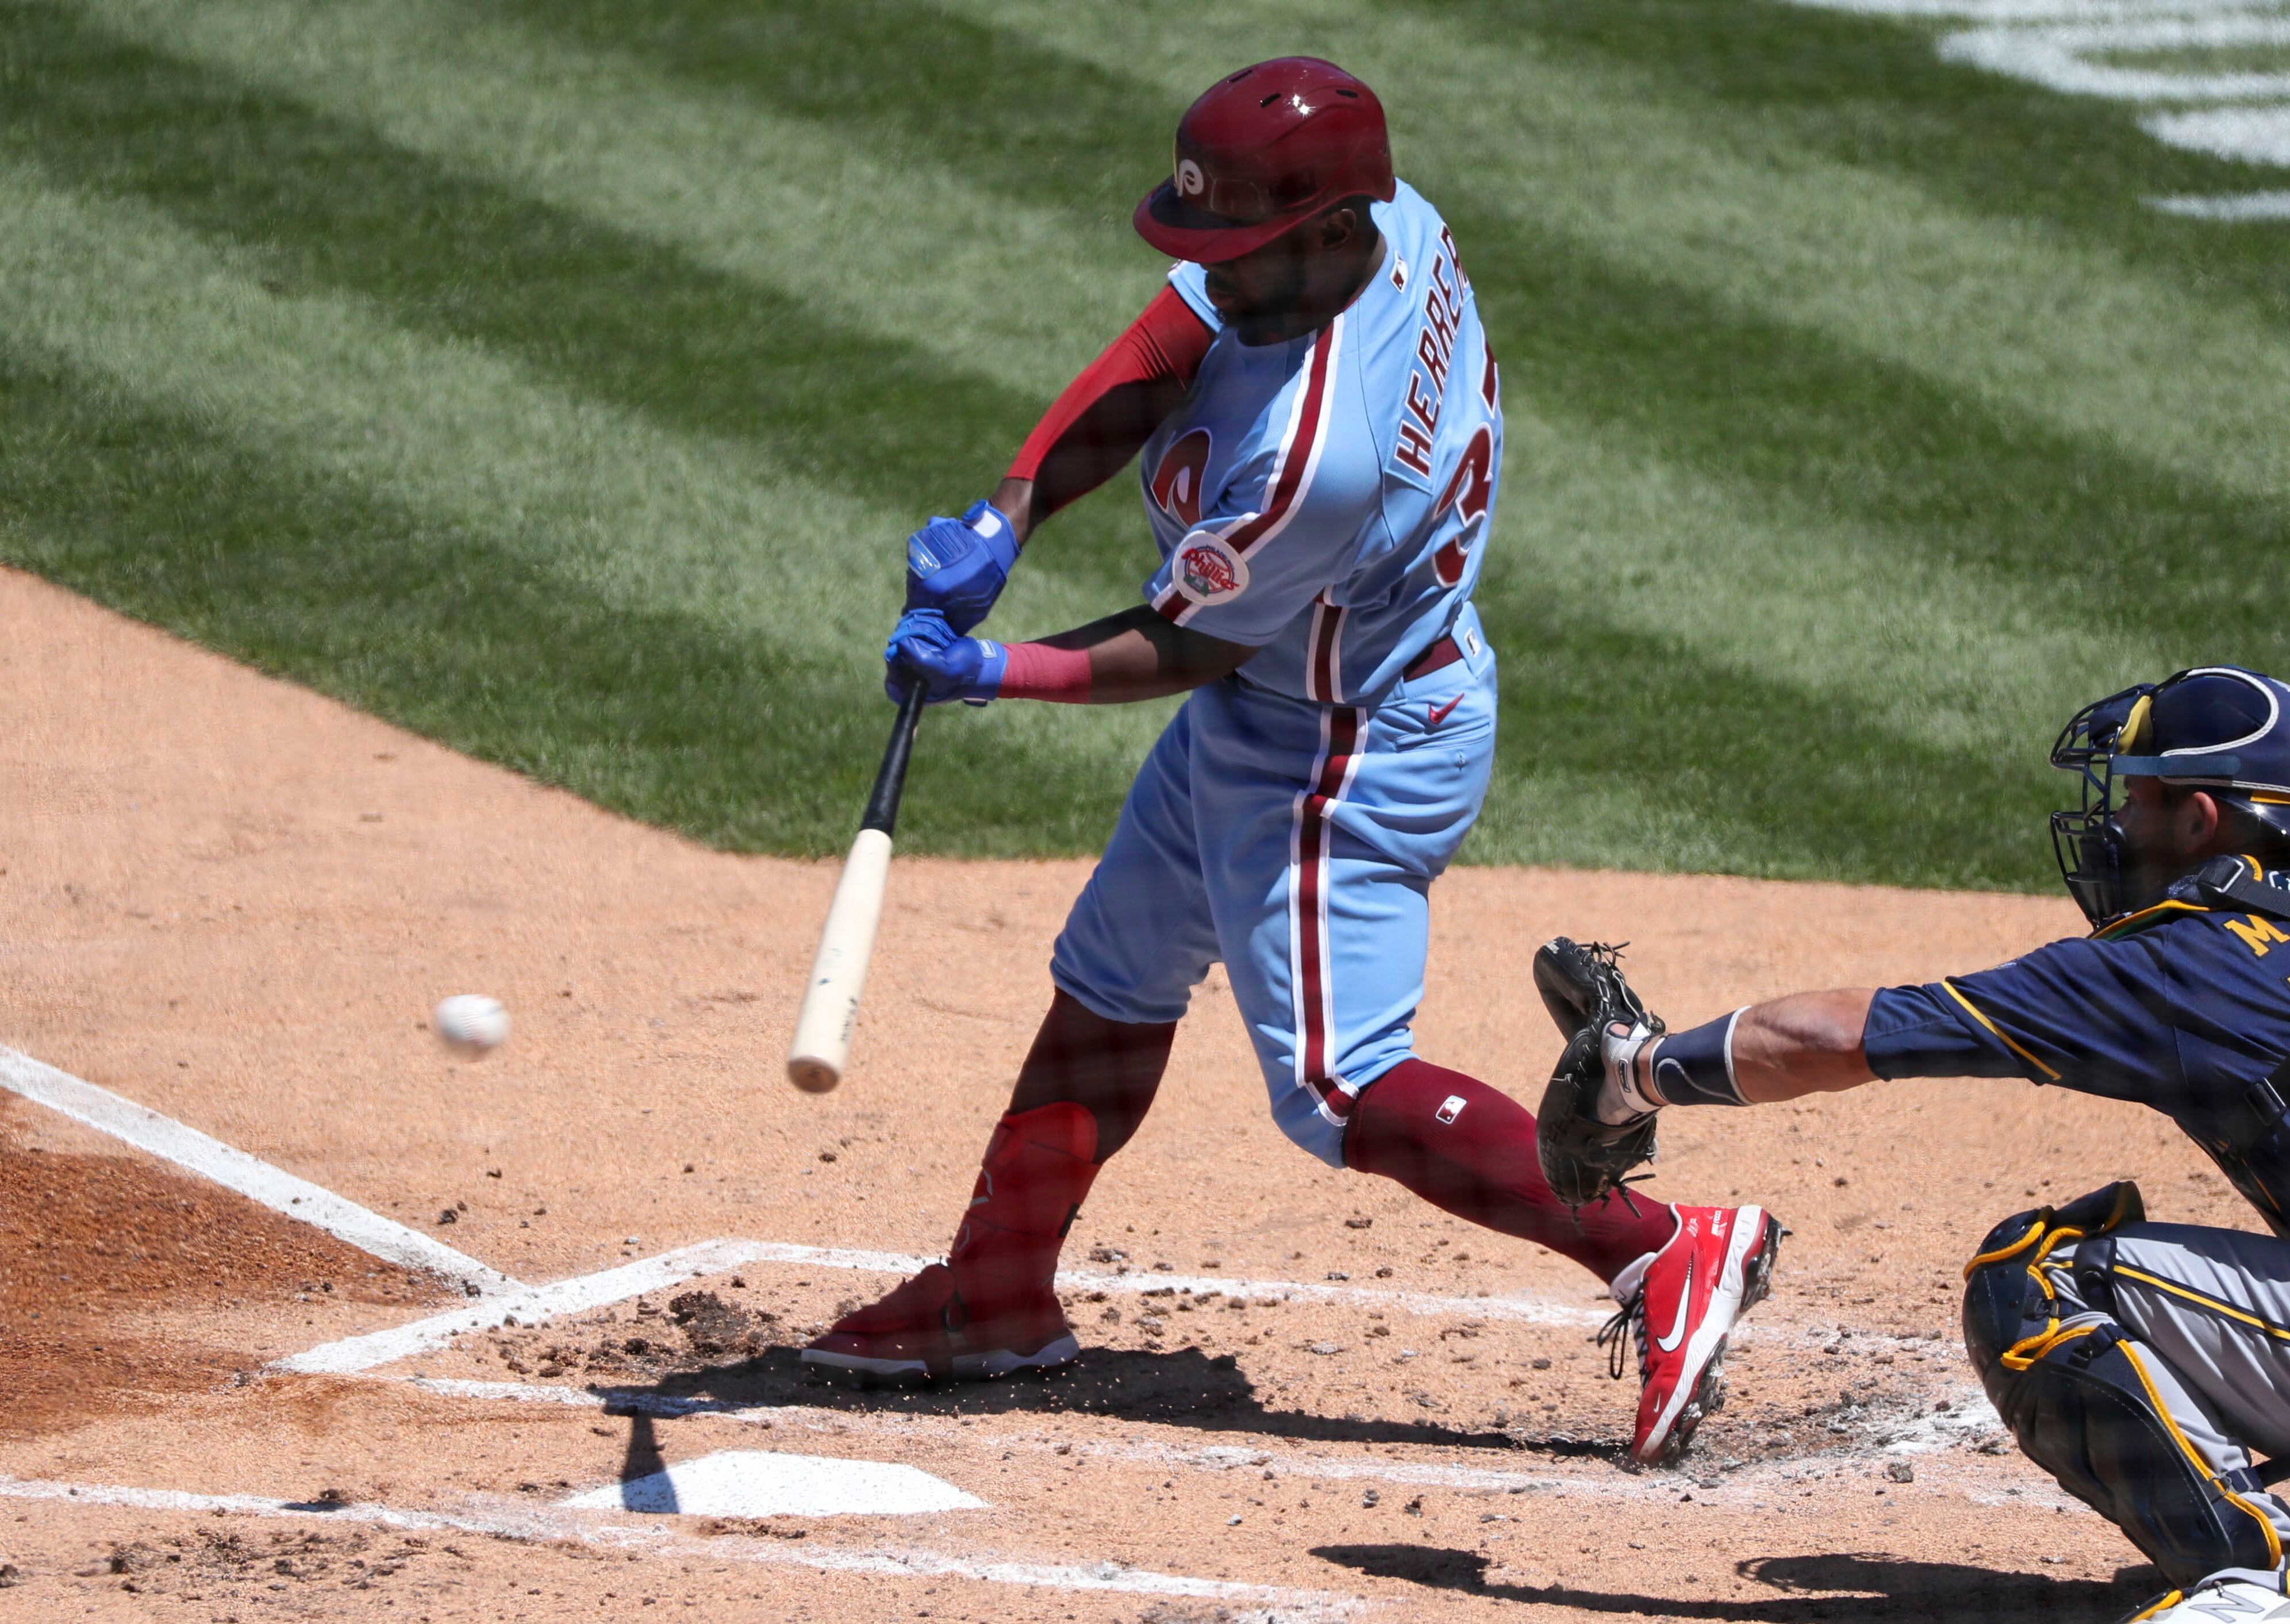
{"x": 1037, "y": 671}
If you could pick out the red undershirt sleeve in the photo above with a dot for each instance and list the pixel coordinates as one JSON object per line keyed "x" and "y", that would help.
{"x": 1108, "y": 413}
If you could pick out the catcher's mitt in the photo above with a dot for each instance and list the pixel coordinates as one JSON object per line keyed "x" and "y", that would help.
{"x": 1584, "y": 1159}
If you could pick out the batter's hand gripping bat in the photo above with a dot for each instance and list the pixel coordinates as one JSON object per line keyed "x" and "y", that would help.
{"x": 830, "y": 1002}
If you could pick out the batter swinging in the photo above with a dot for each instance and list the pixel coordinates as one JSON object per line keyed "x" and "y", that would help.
{"x": 1321, "y": 430}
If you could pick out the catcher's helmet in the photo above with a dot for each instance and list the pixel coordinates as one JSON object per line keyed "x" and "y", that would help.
{"x": 1262, "y": 150}
{"x": 2217, "y": 728}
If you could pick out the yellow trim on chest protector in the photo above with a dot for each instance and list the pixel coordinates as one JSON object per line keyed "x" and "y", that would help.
{"x": 2130, "y": 923}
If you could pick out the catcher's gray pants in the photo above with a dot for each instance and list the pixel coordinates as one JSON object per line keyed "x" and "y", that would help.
{"x": 2147, "y": 1366}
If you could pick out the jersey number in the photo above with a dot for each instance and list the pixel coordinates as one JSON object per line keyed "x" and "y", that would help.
{"x": 1469, "y": 490}
{"x": 1177, "y": 482}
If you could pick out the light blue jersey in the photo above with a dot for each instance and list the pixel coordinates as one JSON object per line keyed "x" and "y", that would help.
{"x": 1326, "y": 500}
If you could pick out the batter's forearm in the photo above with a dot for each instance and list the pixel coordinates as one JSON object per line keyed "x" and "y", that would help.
{"x": 1808, "y": 1043}
{"x": 1014, "y": 498}
{"x": 1134, "y": 655}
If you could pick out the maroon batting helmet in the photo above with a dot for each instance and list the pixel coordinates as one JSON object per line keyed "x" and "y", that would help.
{"x": 1261, "y": 151}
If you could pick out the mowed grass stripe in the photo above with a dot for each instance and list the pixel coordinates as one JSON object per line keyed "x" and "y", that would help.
{"x": 419, "y": 203}
{"x": 679, "y": 718}
{"x": 721, "y": 267}
{"x": 432, "y": 425}
{"x": 595, "y": 118}
{"x": 1648, "y": 172}
{"x": 2039, "y": 529}
{"x": 539, "y": 499}
{"x": 1693, "y": 643}
{"x": 308, "y": 575}
{"x": 618, "y": 318}
{"x": 1871, "y": 91}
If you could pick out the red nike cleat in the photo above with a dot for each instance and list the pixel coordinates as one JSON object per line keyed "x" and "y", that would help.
{"x": 923, "y": 1332}
{"x": 1681, "y": 1304}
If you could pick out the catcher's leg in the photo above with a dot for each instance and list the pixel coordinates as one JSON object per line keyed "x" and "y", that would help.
{"x": 1139, "y": 938}
{"x": 2123, "y": 1428}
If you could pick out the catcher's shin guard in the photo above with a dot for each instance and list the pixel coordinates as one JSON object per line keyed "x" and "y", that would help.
{"x": 2093, "y": 1406}
{"x": 990, "y": 1308}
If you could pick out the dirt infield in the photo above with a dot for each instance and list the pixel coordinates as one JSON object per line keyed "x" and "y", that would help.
{"x": 1305, "y": 1395}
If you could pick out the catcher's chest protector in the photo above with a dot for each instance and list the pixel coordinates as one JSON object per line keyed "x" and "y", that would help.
{"x": 2247, "y": 1133}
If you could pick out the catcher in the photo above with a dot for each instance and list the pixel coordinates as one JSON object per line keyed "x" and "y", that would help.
{"x": 2145, "y": 1365}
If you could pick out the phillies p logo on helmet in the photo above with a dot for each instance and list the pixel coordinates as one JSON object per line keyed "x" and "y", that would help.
{"x": 1190, "y": 183}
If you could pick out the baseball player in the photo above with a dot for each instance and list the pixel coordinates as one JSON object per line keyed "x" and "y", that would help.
{"x": 1321, "y": 438}
{"x": 2145, "y": 1365}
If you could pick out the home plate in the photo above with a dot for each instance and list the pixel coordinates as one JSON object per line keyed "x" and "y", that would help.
{"x": 759, "y": 1483}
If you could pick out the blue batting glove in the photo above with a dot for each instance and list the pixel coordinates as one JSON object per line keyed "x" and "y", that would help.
{"x": 958, "y": 566}
{"x": 925, "y": 649}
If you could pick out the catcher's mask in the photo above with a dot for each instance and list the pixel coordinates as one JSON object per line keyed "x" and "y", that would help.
{"x": 2218, "y": 728}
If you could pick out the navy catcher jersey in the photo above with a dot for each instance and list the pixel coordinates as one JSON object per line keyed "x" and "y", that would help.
{"x": 2183, "y": 1007}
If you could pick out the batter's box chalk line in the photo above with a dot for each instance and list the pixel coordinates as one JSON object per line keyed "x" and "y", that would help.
{"x": 654, "y": 1538}
{"x": 1555, "y": 1478}
{"x": 258, "y": 1180}
{"x": 530, "y": 1304}
{"x": 498, "y": 1296}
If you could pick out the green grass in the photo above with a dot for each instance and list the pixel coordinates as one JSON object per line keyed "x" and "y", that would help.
{"x": 560, "y": 379}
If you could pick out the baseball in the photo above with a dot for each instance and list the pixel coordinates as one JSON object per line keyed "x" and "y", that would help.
{"x": 470, "y": 1024}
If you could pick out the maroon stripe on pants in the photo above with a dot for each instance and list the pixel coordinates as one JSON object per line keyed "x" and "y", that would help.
{"x": 1312, "y": 838}
{"x": 1321, "y": 680}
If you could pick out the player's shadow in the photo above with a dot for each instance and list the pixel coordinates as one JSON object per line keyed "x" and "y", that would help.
{"x": 1866, "y": 1587}
{"x": 1182, "y": 1388}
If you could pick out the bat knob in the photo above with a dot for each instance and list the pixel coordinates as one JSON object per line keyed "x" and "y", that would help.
{"x": 812, "y": 1074}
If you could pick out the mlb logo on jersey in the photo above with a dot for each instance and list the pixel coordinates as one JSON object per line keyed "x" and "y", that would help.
{"x": 1207, "y": 571}
{"x": 1450, "y": 1108}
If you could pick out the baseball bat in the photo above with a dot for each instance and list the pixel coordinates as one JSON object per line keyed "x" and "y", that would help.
{"x": 830, "y": 1002}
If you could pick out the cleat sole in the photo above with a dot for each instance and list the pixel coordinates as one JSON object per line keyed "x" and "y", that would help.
{"x": 858, "y": 1370}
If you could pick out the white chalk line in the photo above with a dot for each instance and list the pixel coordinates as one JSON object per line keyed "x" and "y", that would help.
{"x": 258, "y": 1180}
{"x": 2230, "y": 206}
{"x": 2042, "y": 11}
{"x": 558, "y": 1523}
{"x": 532, "y": 1305}
{"x": 2125, "y": 50}
{"x": 1969, "y": 1420}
